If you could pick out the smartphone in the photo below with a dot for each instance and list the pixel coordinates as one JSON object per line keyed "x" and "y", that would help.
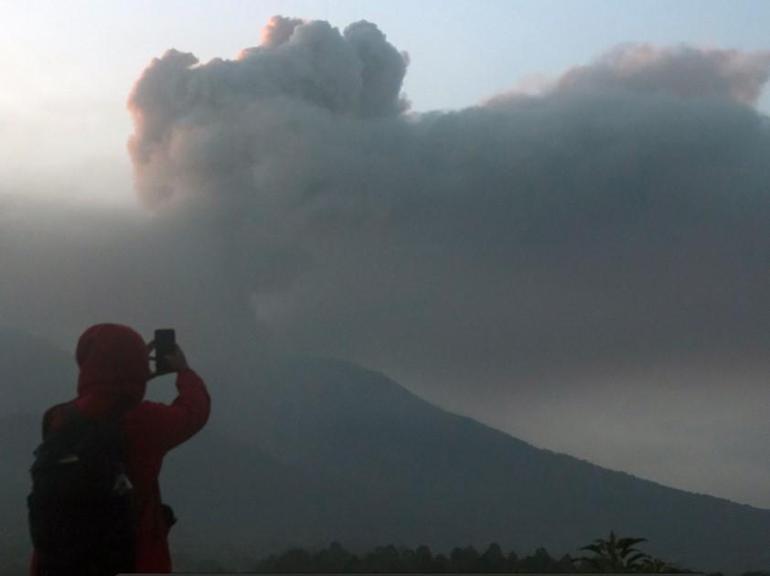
{"x": 165, "y": 344}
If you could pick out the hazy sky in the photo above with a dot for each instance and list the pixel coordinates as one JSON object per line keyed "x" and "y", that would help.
{"x": 574, "y": 249}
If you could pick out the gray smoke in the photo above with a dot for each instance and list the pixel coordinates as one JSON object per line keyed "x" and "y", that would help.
{"x": 683, "y": 71}
{"x": 224, "y": 114}
{"x": 496, "y": 258}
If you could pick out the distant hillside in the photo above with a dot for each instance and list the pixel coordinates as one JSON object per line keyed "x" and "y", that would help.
{"x": 322, "y": 450}
{"x": 34, "y": 372}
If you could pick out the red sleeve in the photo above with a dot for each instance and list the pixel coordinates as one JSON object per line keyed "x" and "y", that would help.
{"x": 170, "y": 425}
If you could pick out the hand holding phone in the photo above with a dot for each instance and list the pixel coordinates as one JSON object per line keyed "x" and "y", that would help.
{"x": 165, "y": 345}
{"x": 168, "y": 355}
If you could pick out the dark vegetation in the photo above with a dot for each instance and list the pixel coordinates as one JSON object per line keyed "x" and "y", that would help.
{"x": 606, "y": 555}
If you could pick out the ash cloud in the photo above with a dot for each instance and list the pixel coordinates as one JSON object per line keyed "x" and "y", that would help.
{"x": 683, "y": 71}
{"x": 492, "y": 258}
{"x": 223, "y": 112}
{"x": 502, "y": 233}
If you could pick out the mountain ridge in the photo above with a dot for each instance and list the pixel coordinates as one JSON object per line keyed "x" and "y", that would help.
{"x": 304, "y": 451}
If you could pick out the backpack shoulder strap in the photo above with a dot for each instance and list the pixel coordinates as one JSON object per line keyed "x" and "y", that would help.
{"x": 65, "y": 411}
{"x": 64, "y": 426}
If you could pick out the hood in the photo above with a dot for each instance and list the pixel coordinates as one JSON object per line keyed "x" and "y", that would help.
{"x": 114, "y": 368}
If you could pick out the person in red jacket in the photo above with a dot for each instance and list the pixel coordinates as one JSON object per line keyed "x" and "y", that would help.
{"x": 114, "y": 370}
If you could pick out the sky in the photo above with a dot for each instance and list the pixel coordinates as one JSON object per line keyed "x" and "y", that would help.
{"x": 550, "y": 216}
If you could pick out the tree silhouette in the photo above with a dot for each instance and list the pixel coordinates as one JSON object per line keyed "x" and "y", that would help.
{"x": 615, "y": 554}
{"x": 658, "y": 566}
{"x": 540, "y": 561}
{"x": 465, "y": 559}
{"x": 492, "y": 560}
{"x": 423, "y": 559}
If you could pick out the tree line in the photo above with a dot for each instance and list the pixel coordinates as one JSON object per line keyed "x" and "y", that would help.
{"x": 612, "y": 554}
{"x": 392, "y": 559}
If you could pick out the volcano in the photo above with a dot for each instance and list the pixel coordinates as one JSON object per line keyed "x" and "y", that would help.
{"x": 322, "y": 450}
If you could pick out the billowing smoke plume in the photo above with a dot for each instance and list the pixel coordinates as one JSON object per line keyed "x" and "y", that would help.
{"x": 631, "y": 182}
{"x": 683, "y": 71}
{"x": 500, "y": 256}
{"x": 226, "y": 113}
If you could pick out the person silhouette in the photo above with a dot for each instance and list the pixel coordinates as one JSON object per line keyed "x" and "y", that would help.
{"x": 114, "y": 364}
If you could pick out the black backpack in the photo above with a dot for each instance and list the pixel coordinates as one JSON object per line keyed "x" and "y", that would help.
{"x": 81, "y": 509}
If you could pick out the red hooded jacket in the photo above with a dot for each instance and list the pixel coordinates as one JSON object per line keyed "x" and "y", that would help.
{"x": 114, "y": 369}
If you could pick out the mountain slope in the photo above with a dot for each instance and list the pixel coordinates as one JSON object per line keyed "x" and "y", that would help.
{"x": 304, "y": 451}
{"x": 404, "y": 471}
{"x": 34, "y": 372}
